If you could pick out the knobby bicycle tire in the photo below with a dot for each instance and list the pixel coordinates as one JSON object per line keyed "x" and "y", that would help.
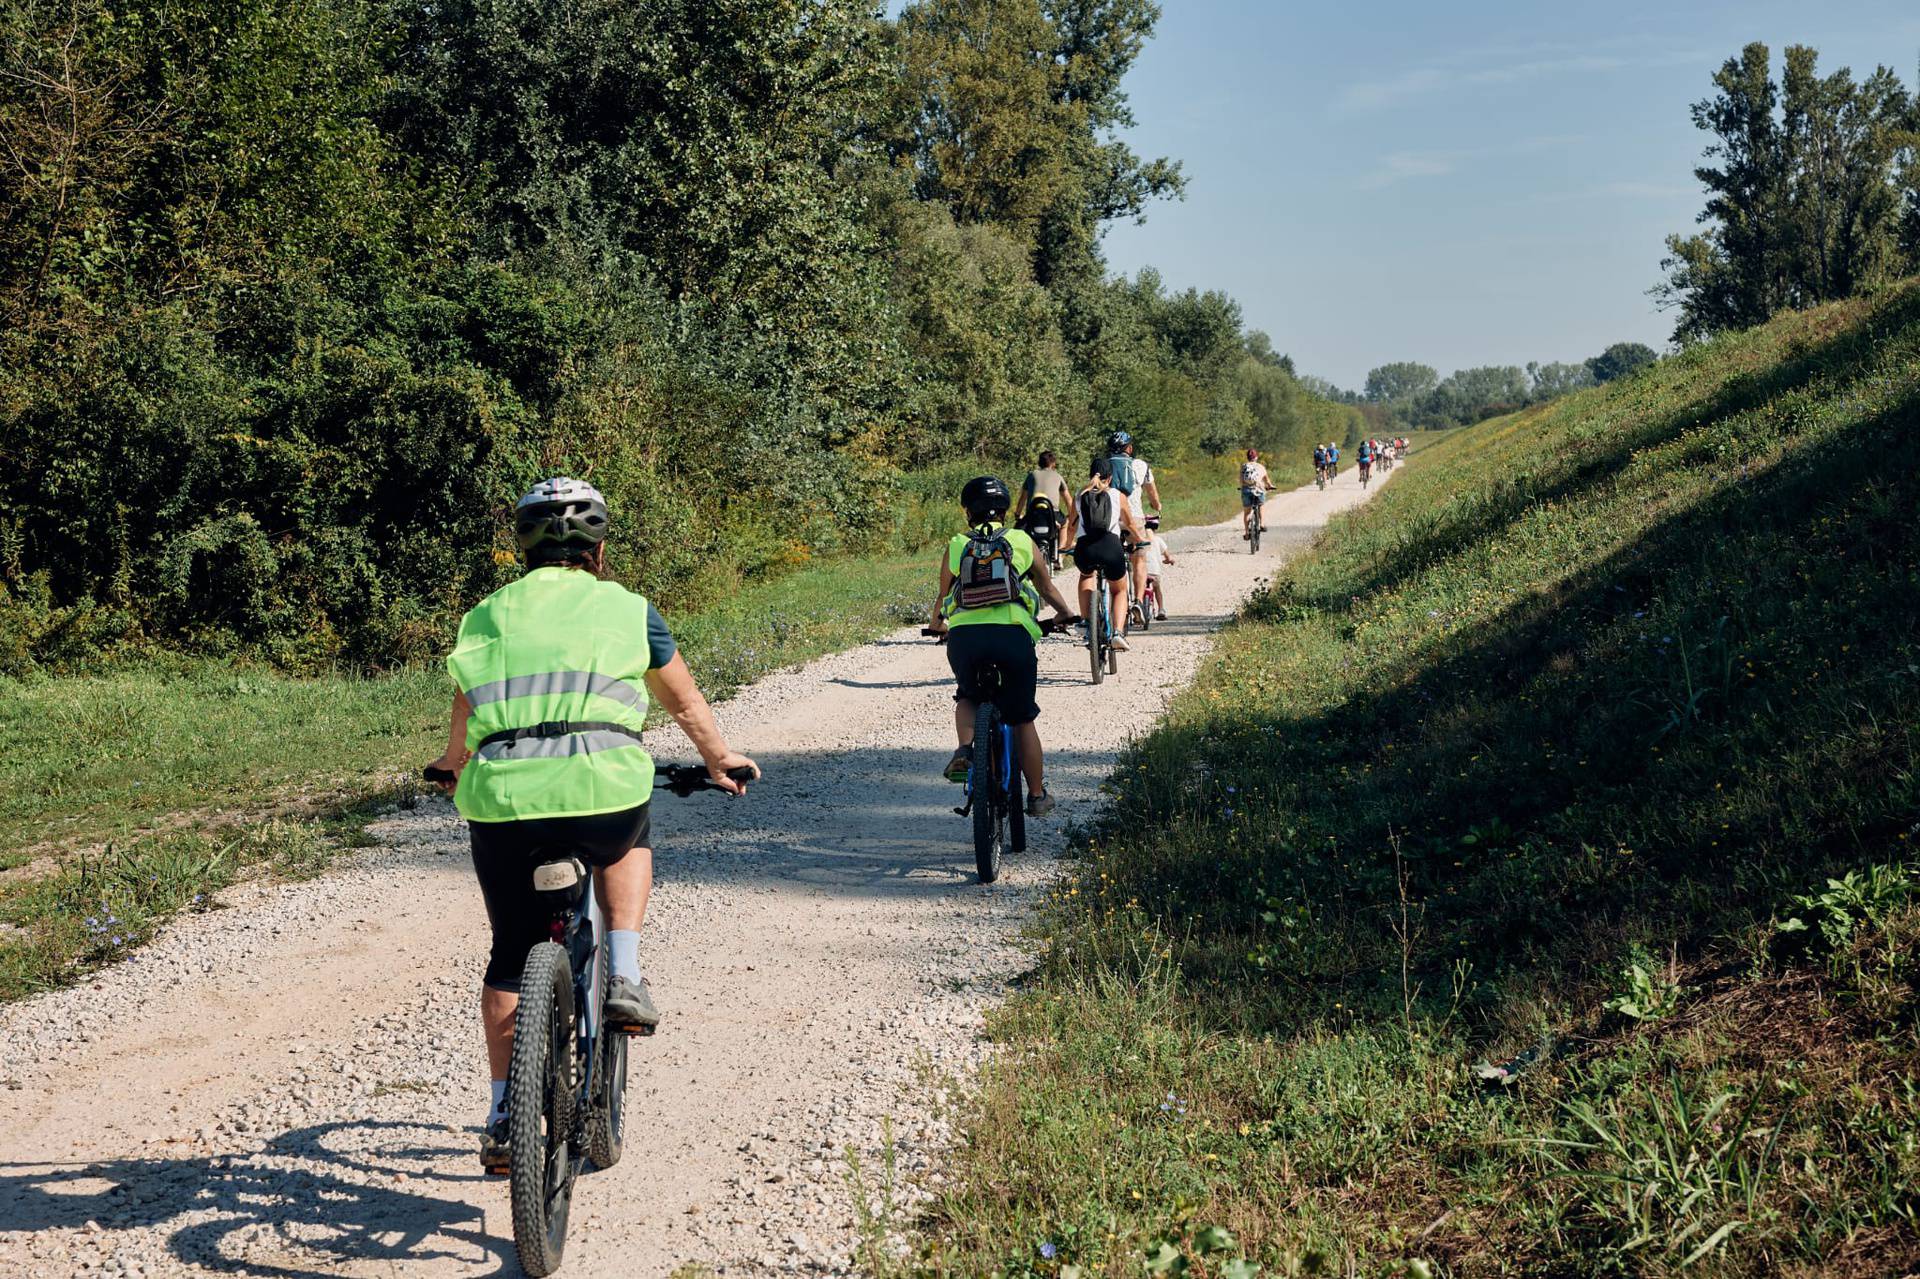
{"x": 607, "y": 1110}
{"x": 986, "y": 820}
{"x": 1016, "y": 813}
{"x": 540, "y": 1110}
{"x": 1097, "y": 634}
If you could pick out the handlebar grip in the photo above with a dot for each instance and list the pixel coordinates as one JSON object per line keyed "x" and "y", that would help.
{"x": 440, "y": 775}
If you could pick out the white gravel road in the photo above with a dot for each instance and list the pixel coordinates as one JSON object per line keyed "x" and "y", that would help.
{"x": 289, "y": 1085}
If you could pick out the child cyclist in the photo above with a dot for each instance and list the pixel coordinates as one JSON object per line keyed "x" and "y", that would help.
{"x": 1002, "y": 633}
{"x": 1158, "y": 555}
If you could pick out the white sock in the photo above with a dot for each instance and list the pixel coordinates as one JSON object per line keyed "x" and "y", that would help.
{"x": 624, "y": 949}
{"x": 499, "y": 1106}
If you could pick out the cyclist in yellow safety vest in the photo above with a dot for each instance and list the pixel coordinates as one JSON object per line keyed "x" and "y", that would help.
{"x": 1002, "y": 635}
{"x": 554, "y": 673}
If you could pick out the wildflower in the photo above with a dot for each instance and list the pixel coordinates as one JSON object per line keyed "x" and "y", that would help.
{"x": 1047, "y": 1250}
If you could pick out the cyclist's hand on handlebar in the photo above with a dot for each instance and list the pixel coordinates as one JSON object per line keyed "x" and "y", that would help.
{"x": 731, "y": 762}
{"x": 445, "y": 772}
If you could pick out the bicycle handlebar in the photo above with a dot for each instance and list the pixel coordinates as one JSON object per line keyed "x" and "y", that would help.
{"x": 682, "y": 779}
{"x": 1048, "y": 626}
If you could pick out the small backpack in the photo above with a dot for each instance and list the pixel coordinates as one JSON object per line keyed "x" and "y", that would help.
{"x": 1096, "y": 512}
{"x": 1249, "y": 474}
{"x": 987, "y": 577}
{"x": 1122, "y": 473}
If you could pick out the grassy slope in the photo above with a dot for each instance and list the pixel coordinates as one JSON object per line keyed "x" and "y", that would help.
{"x": 175, "y": 766}
{"x": 1573, "y": 710}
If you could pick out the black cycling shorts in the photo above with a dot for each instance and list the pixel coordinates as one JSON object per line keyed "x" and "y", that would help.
{"x": 1102, "y": 554}
{"x": 504, "y": 855}
{"x": 1008, "y": 646}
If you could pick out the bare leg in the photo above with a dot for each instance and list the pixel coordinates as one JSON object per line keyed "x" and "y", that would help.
{"x": 963, "y": 713}
{"x": 1139, "y": 567}
{"x": 1086, "y": 598}
{"x": 496, "y": 1019}
{"x": 1026, "y": 743}
{"x": 623, "y": 889}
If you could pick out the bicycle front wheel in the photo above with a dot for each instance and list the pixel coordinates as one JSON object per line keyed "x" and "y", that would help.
{"x": 1016, "y": 814}
{"x": 540, "y": 1110}
{"x": 986, "y": 796}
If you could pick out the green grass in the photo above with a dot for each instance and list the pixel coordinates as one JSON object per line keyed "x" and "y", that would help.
{"x": 1524, "y": 762}
{"x": 167, "y": 776}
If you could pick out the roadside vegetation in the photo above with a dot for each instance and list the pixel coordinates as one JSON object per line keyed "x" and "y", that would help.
{"x": 1526, "y": 886}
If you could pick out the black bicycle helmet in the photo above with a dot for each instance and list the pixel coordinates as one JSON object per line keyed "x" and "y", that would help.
{"x": 1118, "y": 440}
{"x": 985, "y": 497}
{"x": 559, "y": 519}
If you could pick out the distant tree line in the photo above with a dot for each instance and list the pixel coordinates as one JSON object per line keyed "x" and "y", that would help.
{"x": 1813, "y": 192}
{"x": 1412, "y": 396}
{"x": 295, "y": 297}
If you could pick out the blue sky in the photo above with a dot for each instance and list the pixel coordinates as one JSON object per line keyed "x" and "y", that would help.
{"x": 1460, "y": 184}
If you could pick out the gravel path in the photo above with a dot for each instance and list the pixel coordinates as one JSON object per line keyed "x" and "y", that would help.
{"x": 289, "y": 1085}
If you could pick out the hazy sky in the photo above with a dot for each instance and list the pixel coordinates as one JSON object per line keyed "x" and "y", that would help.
{"x": 1460, "y": 184}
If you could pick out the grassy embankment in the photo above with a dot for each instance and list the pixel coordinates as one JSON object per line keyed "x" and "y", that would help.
{"x": 1587, "y": 750}
{"x": 138, "y": 791}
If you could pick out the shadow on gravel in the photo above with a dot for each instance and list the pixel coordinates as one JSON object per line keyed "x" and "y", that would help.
{"x": 862, "y": 822}
{"x": 312, "y": 1203}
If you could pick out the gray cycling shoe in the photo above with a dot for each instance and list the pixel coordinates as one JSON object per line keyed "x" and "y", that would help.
{"x": 630, "y": 1007}
{"x": 496, "y": 1148}
{"x": 1039, "y": 805}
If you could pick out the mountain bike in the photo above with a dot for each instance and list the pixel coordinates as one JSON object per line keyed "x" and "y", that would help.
{"x": 1366, "y": 469}
{"x": 1320, "y": 475}
{"x": 1256, "y": 525}
{"x": 1150, "y": 605}
{"x": 1106, "y": 659}
{"x": 567, "y": 1080}
{"x": 993, "y": 776}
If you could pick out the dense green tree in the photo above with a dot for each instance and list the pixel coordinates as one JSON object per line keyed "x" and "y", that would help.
{"x": 1400, "y": 382}
{"x": 1803, "y": 205}
{"x": 1619, "y": 360}
{"x": 1546, "y": 381}
{"x": 1007, "y": 110}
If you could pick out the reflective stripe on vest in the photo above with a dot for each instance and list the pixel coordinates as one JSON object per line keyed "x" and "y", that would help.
{"x": 549, "y": 683}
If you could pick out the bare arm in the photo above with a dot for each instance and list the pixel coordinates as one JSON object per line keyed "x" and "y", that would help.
{"x": 673, "y": 687}
{"x": 1043, "y": 582}
{"x": 938, "y": 621}
{"x": 1153, "y": 495}
{"x": 454, "y": 758}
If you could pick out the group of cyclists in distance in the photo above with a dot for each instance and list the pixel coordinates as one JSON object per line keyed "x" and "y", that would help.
{"x": 1373, "y": 452}
{"x": 554, "y": 673}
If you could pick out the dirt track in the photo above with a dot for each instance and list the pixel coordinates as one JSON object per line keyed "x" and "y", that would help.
{"x": 290, "y": 1086}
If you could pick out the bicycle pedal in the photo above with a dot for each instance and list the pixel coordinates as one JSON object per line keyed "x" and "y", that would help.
{"x": 637, "y": 1028}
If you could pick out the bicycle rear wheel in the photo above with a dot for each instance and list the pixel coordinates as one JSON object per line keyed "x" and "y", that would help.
{"x": 606, "y": 1114}
{"x": 540, "y": 1110}
{"x": 1097, "y": 634}
{"x": 986, "y": 820}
